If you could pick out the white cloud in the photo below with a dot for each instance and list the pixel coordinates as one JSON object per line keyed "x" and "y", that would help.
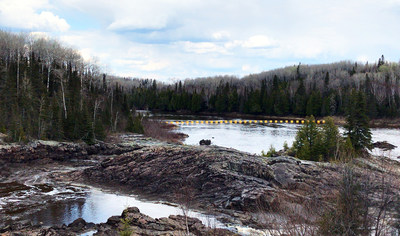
{"x": 147, "y": 21}
{"x": 134, "y": 14}
{"x": 221, "y": 35}
{"x": 154, "y": 65}
{"x": 259, "y": 41}
{"x": 190, "y": 38}
{"x": 233, "y": 44}
{"x": 203, "y": 47}
{"x": 30, "y": 15}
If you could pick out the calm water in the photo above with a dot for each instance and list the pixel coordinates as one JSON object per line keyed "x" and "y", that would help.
{"x": 66, "y": 203}
{"x": 254, "y": 138}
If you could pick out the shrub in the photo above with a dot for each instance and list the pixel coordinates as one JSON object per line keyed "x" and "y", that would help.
{"x": 271, "y": 152}
{"x": 349, "y": 215}
{"x": 126, "y": 230}
{"x": 135, "y": 124}
{"x": 285, "y": 146}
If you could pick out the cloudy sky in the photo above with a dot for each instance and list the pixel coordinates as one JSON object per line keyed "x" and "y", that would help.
{"x": 167, "y": 39}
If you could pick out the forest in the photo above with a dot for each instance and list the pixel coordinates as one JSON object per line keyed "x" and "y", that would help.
{"x": 299, "y": 90}
{"x": 47, "y": 91}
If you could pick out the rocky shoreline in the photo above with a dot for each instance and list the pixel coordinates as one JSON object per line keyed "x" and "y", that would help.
{"x": 239, "y": 187}
{"x": 130, "y": 222}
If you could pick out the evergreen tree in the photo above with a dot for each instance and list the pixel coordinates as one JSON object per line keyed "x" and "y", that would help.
{"x": 308, "y": 142}
{"x": 134, "y": 124}
{"x": 86, "y": 128}
{"x": 300, "y": 100}
{"x": 357, "y": 126}
{"x": 331, "y": 138}
{"x": 196, "y": 103}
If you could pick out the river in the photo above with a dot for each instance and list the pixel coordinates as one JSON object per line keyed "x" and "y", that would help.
{"x": 61, "y": 203}
{"x": 255, "y": 138}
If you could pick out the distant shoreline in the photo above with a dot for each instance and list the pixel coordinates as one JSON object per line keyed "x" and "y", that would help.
{"x": 393, "y": 123}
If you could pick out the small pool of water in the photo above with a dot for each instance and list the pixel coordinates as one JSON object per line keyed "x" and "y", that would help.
{"x": 51, "y": 204}
{"x": 97, "y": 206}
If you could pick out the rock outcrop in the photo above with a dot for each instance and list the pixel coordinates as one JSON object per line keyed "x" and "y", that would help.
{"x": 205, "y": 142}
{"x": 237, "y": 186}
{"x": 385, "y": 146}
{"x": 131, "y": 222}
{"x": 58, "y": 151}
{"x": 222, "y": 177}
{"x": 227, "y": 181}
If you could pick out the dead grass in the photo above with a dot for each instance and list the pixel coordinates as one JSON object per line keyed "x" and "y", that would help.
{"x": 162, "y": 131}
{"x": 374, "y": 123}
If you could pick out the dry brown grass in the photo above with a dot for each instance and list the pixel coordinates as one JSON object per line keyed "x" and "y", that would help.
{"x": 162, "y": 131}
{"x": 374, "y": 123}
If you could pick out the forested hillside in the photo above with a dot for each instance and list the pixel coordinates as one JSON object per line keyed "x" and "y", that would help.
{"x": 47, "y": 91}
{"x": 299, "y": 90}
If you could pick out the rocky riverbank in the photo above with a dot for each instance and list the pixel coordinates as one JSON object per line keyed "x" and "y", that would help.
{"x": 130, "y": 222}
{"x": 234, "y": 183}
{"x": 240, "y": 188}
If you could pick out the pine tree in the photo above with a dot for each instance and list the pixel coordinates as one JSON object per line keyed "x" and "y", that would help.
{"x": 308, "y": 143}
{"x": 357, "y": 126}
{"x": 300, "y": 100}
{"x": 134, "y": 124}
{"x": 196, "y": 102}
{"x": 86, "y": 128}
{"x": 331, "y": 137}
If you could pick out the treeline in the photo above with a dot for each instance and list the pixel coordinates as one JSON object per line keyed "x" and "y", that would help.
{"x": 47, "y": 91}
{"x": 301, "y": 90}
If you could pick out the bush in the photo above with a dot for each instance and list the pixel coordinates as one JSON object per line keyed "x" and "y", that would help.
{"x": 3, "y": 129}
{"x": 285, "y": 146}
{"x": 135, "y": 124}
{"x": 349, "y": 216}
{"x": 271, "y": 152}
{"x": 126, "y": 229}
{"x": 160, "y": 130}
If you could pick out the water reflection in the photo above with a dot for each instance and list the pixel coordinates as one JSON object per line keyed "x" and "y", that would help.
{"x": 98, "y": 206}
{"x": 57, "y": 213}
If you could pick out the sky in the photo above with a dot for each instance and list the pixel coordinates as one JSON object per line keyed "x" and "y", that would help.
{"x": 178, "y": 39}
